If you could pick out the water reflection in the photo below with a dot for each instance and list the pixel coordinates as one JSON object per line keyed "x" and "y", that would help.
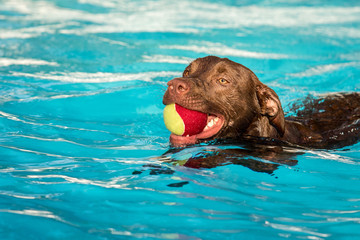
{"x": 257, "y": 154}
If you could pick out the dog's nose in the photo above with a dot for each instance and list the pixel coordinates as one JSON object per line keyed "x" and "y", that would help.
{"x": 178, "y": 86}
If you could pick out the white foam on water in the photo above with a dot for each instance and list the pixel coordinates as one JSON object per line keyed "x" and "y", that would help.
{"x": 167, "y": 59}
{"x": 32, "y": 32}
{"x": 322, "y": 69}
{"x": 99, "y": 77}
{"x": 222, "y": 50}
{"x": 333, "y": 156}
{"x": 334, "y": 32}
{"x": 34, "y": 212}
{"x": 101, "y": 3}
{"x": 174, "y": 16}
{"x": 291, "y": 228}
{"x": 5, "y": 62}
{"x": 21, "y": 34}
{"x": 353, "y": 56}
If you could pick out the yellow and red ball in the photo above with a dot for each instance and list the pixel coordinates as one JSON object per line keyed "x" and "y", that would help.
{"x": 182, "y": 121}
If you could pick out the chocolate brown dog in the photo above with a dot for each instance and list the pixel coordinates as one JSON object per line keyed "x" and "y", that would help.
{"x": 239, "y": 106}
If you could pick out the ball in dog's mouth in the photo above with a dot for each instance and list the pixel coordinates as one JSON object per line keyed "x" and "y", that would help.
{"x": 188, "y": 126}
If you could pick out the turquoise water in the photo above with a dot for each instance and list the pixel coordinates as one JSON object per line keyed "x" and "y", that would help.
{"x": 82, "y": 137}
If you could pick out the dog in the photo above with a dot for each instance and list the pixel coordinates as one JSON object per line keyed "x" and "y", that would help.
{"x": 239, "y": 106}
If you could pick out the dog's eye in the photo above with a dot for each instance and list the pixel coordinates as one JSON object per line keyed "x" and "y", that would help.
{"x": 186, "y": 73}
{"x": 223, "y": 81}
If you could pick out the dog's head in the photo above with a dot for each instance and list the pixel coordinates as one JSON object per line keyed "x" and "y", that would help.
{"x": 236, "y": 102}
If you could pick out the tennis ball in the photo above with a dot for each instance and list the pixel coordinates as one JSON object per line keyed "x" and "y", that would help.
{"x": 182, "y": 121}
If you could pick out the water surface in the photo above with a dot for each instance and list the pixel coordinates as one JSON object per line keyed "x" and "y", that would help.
{"x": 82, "y": 139}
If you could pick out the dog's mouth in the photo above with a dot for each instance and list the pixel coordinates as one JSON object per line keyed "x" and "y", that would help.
{"x": 215, "y": 123}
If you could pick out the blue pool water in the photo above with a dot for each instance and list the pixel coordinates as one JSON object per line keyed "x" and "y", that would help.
{"x": 82, "y": 137}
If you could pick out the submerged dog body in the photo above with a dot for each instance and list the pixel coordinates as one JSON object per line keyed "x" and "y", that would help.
{"x": 239, "y": 106}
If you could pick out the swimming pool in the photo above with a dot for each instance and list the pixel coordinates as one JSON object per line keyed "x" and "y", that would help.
{"x": 82, "y": 139}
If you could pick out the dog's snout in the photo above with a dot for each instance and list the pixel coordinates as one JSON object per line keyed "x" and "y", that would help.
{"x": 178, "y": 86}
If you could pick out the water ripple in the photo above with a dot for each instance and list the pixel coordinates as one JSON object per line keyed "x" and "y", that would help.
{"x": 17, "y": 118}
{"x": 83, "y": 139}
{"x": 323, "y": 69}
{"x": 167, "y": 59}
{"x": 99, "y": 77}
{"x": 5, "y": 62}
{"x": 36, "y": 213}
{"x": 333, "y": 156}
{"x": 111, "y": 184}
{"x": 222, "y": 50}
{"x": 151, "y": 235}
{"x": 290, "y": 228}
{"x": 27, "y": 196}
{"x": 184, "y": 17}
{"x": 330, "y": 218}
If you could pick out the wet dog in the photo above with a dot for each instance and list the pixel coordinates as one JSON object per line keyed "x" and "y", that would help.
{"x": 239, "y": 106}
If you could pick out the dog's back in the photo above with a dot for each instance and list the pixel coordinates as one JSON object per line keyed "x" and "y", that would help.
{"x": 335, "y": 117}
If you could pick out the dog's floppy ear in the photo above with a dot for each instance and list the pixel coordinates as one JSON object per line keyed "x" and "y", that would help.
{"x": 270, "y": 106}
